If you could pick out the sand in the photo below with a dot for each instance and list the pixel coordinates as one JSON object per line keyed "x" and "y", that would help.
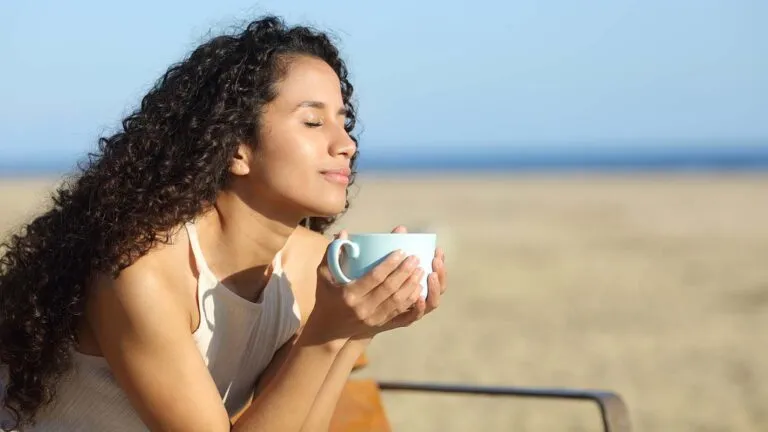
{"x": 654, "y": 286}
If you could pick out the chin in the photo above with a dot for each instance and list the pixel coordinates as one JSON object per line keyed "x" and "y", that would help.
{"x": 327, "y": 209}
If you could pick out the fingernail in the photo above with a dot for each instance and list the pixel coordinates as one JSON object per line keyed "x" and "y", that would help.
{"x": 399, "y": 254}
{"x": 413, "y": 261}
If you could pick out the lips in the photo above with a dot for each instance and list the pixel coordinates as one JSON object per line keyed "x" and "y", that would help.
{"x": 341, "y": 171}
{"x": 339, "y": 176}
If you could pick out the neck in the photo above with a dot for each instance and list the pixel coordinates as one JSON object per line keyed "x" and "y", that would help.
{"x": 240, "y": 242}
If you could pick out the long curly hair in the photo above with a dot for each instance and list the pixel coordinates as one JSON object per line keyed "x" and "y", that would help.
{"x": 165, "y": 166}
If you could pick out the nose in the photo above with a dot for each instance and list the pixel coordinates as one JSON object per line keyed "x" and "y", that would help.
{"x": 343, "y": 145}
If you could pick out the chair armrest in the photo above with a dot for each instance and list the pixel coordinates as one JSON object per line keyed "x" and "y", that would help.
{"x": 612, "y": 408}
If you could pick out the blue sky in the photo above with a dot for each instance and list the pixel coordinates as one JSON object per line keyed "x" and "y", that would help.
{"x": 448, "y": 73}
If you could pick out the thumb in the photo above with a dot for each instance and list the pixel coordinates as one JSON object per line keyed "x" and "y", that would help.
{"x": 343, "y": 235}
{"x": 400, "y": 229}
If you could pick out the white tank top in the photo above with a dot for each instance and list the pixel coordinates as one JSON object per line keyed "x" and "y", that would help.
{"x": 237, "y": 339}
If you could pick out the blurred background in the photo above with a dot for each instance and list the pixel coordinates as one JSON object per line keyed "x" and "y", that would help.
{"x": 596, "y": 171}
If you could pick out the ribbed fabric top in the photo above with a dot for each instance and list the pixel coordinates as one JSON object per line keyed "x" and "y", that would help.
{"x": 237, "y": 339}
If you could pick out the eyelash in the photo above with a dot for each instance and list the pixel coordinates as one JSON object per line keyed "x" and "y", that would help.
{"x": 312, "y": 125}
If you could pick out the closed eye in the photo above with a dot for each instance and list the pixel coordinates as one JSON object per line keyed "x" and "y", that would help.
{"x": 312, "y": 125}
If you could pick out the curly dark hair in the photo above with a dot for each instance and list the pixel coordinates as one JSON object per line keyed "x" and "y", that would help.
{"x": 164, "y": 167}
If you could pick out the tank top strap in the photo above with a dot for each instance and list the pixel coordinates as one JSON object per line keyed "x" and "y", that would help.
{"x": 277, "y": 263}
{"x": 197, "y": 252}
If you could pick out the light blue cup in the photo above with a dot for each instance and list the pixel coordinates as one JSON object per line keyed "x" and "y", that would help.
{"x": 363, "y": 252}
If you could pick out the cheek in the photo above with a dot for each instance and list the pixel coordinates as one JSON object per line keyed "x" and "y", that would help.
{"x": 290, "y": 167}
{"x": 289, "y": 164}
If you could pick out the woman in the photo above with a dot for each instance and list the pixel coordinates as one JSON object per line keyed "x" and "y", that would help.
{"x": 173, "y": 286}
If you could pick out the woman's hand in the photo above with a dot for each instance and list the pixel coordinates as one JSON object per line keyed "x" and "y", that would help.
{"x": 386, "y": 298}
{"x": 366, "y": 305}
{"x": 436, "y": 286}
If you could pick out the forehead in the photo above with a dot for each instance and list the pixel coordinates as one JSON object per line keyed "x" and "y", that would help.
{"x": 309, "y": 78}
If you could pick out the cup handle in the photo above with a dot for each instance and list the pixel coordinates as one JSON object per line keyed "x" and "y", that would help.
{"x": 334, "y": 256}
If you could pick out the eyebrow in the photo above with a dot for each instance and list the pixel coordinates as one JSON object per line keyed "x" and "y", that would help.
{"x": 319, "y": 105}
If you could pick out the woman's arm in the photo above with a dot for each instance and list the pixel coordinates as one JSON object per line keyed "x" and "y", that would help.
{"x": 319, "y": 418}
{"x": 143, "y": 331}
{"x": 322, "y": 410}
{"x": 312, "y": 247}
{"x": 305, "y": 276}
{"x": 288, "y": 398}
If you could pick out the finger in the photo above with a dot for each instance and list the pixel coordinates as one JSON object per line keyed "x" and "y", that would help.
{"x": 416, "y": 313}
{"x": 394, "y": 281}
{"x": 325, "y": 275}
{"x": 438, "y": 267}
{"x": 401, "y": 299}
{"x": 343, "y": 235}
{"x": 378, "y": 274}
{"x": 405, "y": 319}
{"x": 434, "y": 292}
{"x": 442, "y": 275}
{"x": 421, "y": 308}
{"x": 400, "y": 229}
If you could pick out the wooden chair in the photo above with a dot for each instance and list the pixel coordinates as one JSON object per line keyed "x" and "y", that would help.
{"x": 360, "y": 406}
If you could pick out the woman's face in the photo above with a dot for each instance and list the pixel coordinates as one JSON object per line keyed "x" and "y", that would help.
{"x": 301, "y": 165}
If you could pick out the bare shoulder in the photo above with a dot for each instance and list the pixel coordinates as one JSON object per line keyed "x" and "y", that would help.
{"x": 139, "y": 293}
{"x": 165, "y": 265}
{"x": 303, "y": 254}
{"x": 161, "y": 282}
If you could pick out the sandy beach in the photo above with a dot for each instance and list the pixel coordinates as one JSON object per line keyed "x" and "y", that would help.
{"x": 655, "y": 286}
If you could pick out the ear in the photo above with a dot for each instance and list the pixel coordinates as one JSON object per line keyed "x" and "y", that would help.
{"x": 241, "y": 161}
